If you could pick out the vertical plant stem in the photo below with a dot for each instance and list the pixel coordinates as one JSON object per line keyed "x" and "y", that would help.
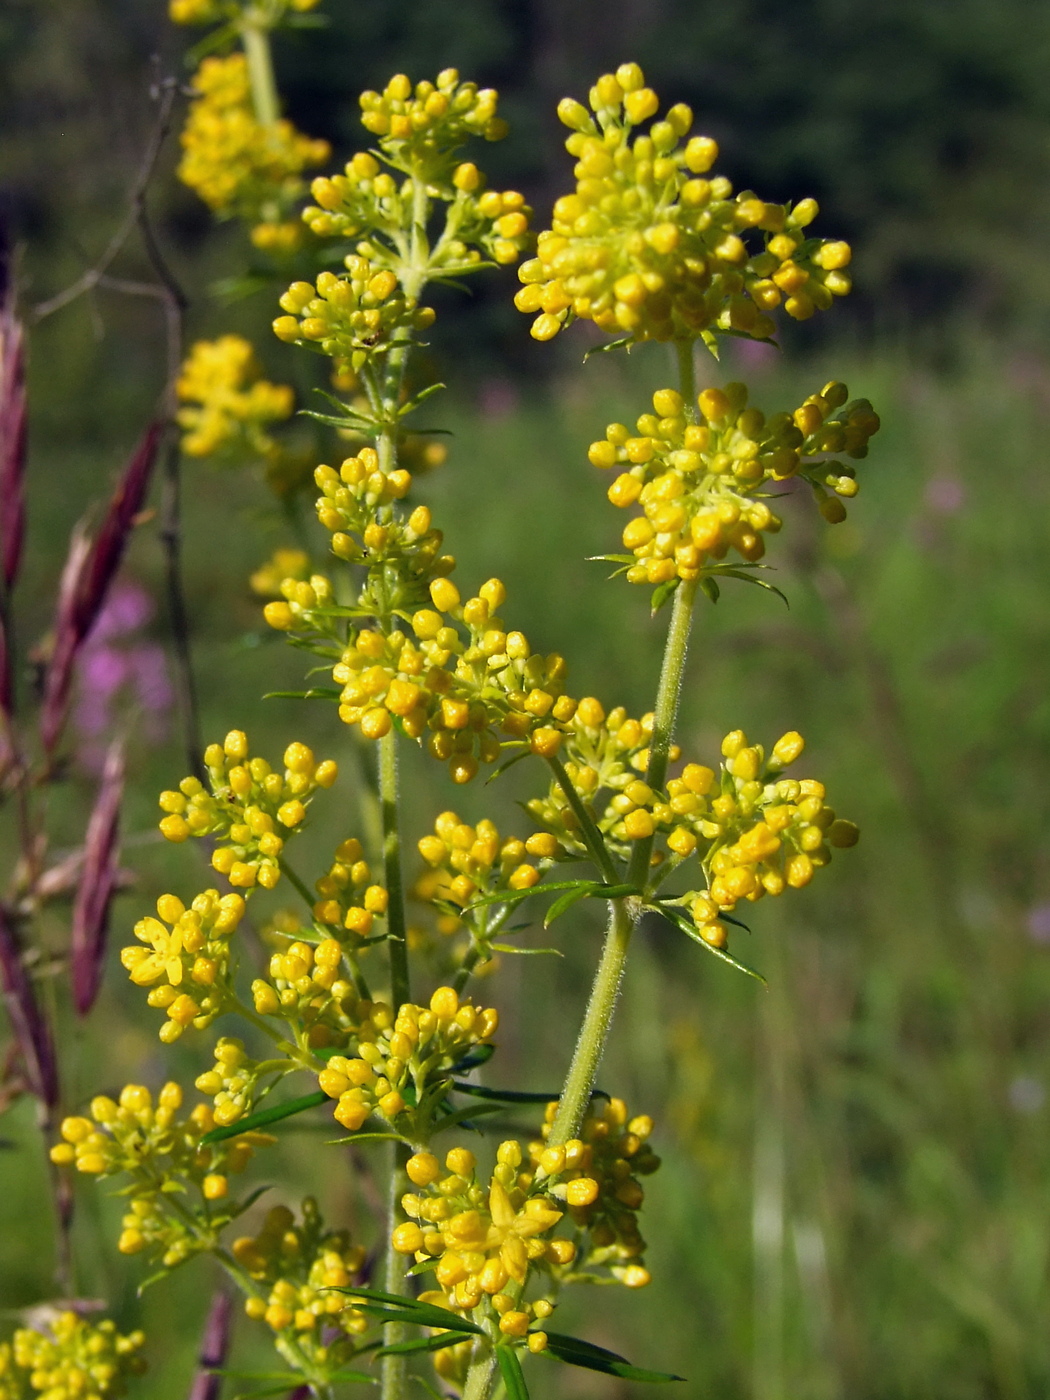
{"x": 388, "y": 798}
{"x": 395, "y": 1368}
{"x": 576, "y": 1094}
{"x": 256, "y": 40}
{"x": 624, "y": 914}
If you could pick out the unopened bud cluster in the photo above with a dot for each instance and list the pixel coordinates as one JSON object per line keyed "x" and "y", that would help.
{"x": 401, "y": 1054}
{"x": 303, "y": 1262}
{"x": 69, "y": 1358}
{"x": 251, "y": 809}
{"x": 650, "y": 247}
{"x": 703, "y": 487}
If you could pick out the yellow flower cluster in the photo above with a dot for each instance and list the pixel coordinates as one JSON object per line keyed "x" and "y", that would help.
{"x": 239, "y": 166}
{"x": 69, "y": 1358}
{"x": 482, "y": 1240}
{"x": 400, "y": 1056}
{"x": 766, "y": 833}
{"x": 231, "y": 1081}
{"x": 283, "y": 564}
{"x": 602, "y": 752}
{"x": 422, "y": 125}
{"x": 701, "y": 486}
{"x": 597, "y": 1177}
{"x": 303, "y": 1262}
{"x": 459, "y": 688}
{"x": 228, "y": 404}
{"x": 163, "y": 1155}
{"x": 401, "y": 553}
{"x": 250, "y": 806}
{"x": 191, "y": 958}
{"x": 367, "y": 198}
{"x": 307, "y": 985}
{"x": 347, "y": 897}
{"x": 353, "y": 318}
{"x": 213, "y": 11}
{"x": 472, "y": 860}
{"x": 648, "y": 246}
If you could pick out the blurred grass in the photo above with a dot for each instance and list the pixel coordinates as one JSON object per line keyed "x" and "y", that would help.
{"x": 852, "y": 1202}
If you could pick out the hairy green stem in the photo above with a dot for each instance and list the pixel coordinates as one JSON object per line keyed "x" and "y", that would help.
{"x": 256, "y": 40}
{"x": 395, "y": 1368}
{"x": 576, "y": 1094}
{"x": 482, "y": 1372}
{"x": 625, "y": 913}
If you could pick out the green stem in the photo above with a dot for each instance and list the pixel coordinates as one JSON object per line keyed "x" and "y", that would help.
{"x": 294, "y": 880}
{"x": 625, "y": 913}
{"x": 576, "y": 1095}
{"x": 395, "y": 914}
{"x": 256, "y": 40}
{"x": 482, "y": 1372}
{"x": 665, "y": 711}
{"x": 395, "y": 1368}
{"x": 686, "y": 358}
{"x": 588, "y": 828}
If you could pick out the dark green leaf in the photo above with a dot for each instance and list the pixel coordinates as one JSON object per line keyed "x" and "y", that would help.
{"x": 611, "y": 559}
{"x": 507, "y": 1095}
{"x": 579, "y": 1353}
{"x": 510, "y": 1370}
{"x": 711, "y": 589}
{"x": 264, "y": 1117}
{"x": 464, "y": 1115}
{"x": 480, "y": 1055}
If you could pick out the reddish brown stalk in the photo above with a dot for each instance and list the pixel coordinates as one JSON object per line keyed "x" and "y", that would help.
{"x": 214, "y": 1346}
{"x": 89, "y": 571}
{"x": 97, "y": 884}
{"x": 31, "y": 1031}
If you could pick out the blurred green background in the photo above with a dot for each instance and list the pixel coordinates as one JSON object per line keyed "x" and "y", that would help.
{"x": 854, "y": 1197}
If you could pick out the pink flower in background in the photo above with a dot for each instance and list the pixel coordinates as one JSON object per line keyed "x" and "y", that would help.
{"x": 120, "y": 675}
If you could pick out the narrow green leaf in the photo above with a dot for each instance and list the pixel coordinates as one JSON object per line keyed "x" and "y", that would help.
{"x": 464, "y": 1115}
{"x": 565, "y": 901}
{"x": 758, "y": 583}
{"x": 507, "y": 763}
{"x": 448, "y": 1339}
{"x": 317, "y": 692}
{"x": 692, "y": 932}
{"x": 425, "y": 1314}
{"x": 264, "y": 1117}
{"x": 624, "y": 342}
{"x": 516, "y": 896}
{"x": 576, "y": 1352}
{"x": 614, "y": 891}
{"x": 367, "y": 1137}
{"x": 526, "y": 952}
{"x": 611, "y": 559}
{"x": 711, "y": 588}
{"x": 510, "y": 1370}
{"x": 711, "y": 341}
